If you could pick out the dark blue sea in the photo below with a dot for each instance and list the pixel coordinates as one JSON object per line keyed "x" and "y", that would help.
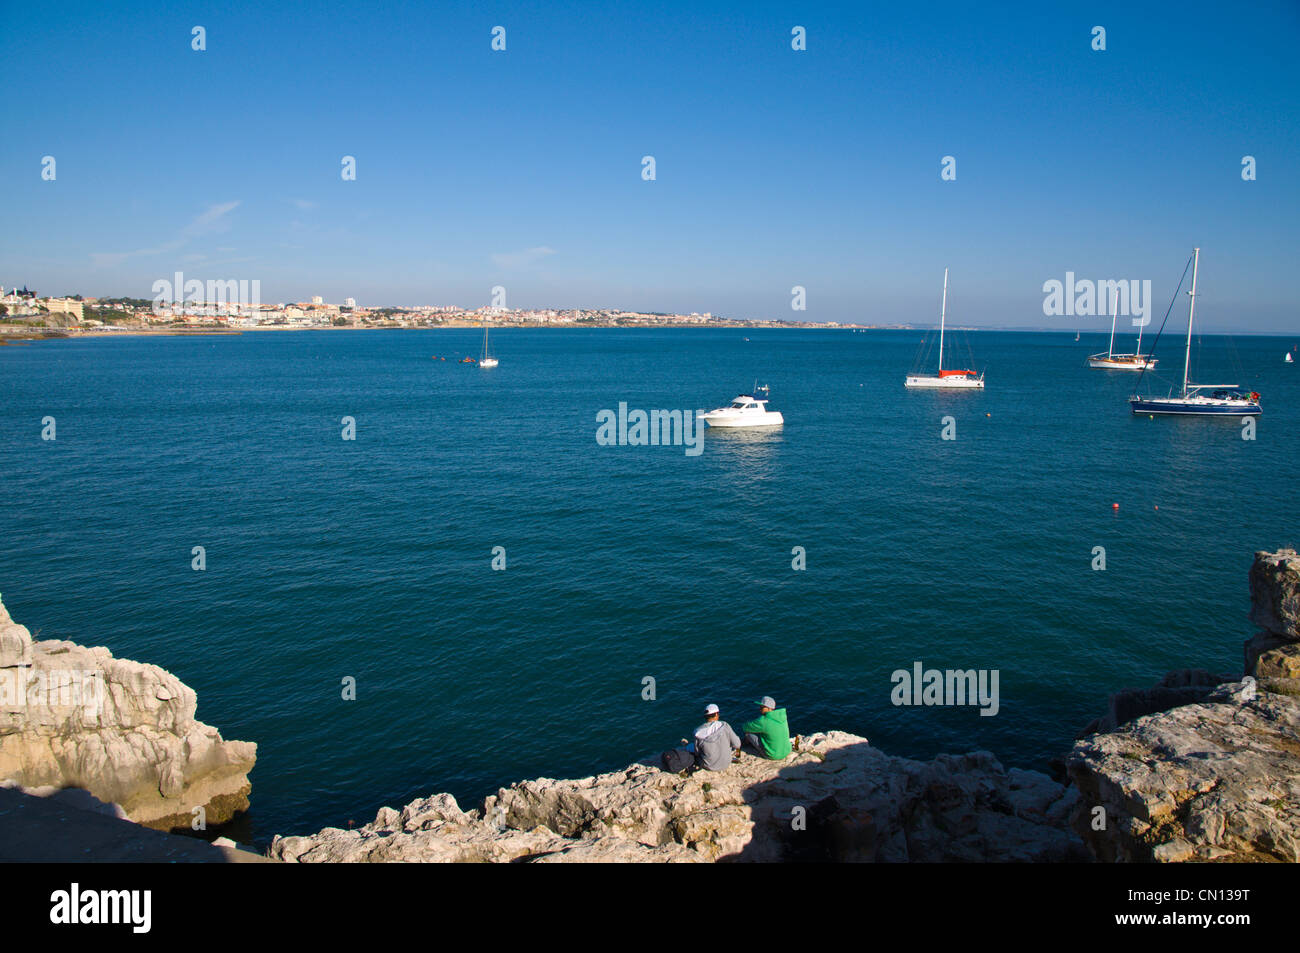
{"x": 372, "y": 558}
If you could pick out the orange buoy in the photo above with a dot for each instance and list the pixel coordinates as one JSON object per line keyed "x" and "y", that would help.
{"x": 1114, "y": 506}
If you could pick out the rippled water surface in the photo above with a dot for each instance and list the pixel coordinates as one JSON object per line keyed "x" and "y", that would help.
{"x": 328, "y": 558}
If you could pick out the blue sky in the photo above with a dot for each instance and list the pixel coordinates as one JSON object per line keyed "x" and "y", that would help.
{"x": 775, "y": 168}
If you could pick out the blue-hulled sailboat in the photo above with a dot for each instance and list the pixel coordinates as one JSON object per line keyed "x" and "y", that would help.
{"x": 1223, "y": 400}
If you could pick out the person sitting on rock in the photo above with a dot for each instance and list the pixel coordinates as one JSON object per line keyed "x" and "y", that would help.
{"x": 715, "y": 742}
{"x": 769, "y": 733}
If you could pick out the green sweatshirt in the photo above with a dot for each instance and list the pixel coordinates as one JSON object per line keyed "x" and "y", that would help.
{"x": 773, "y": 731}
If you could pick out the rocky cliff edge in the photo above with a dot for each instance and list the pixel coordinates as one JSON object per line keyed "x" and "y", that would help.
{"x": 72, "y": 716}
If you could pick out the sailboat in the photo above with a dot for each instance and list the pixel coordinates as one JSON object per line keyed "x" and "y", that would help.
{"x": 1288, "y": 359}
{"x": 1225, "y": 400}
{"x": 945, "y": 379}
{"x": 487, "y": 360}
{"x": 1121, "y": 362}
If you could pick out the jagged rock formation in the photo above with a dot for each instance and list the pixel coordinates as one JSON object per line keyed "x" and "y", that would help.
{"x": 834, "y": 798}
{"x": 1274, "y": 652}
{"x": 1275, "y": 593}
{"x": 72, "y": 716}
{"x": 1217, "y": 780}
{"x": 1210, "y": 778}
{"x": 1182, "y": 687}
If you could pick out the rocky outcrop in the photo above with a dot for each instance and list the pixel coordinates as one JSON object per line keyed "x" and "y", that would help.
{"x": 1275, "y": 593}
{"x": 1182, "y": 687}
{"x": 835, "y": 798}
{"x": 72, "y": 716}
{"x": 1274, "y": 652}
{"x": 1173, "y": 777}
{"x": 1218, "y": 780}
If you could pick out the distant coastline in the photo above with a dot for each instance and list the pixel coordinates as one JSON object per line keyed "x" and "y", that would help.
{"x": 19, "y": 334}
{"x": 14, "y": 334}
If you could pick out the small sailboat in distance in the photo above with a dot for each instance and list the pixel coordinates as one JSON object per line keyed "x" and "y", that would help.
{"x": 1225, "y": 400}
{"x": 945, "y": 379}
{"x": 1121, "y": 362}
{"x": 1288, "y": 359}
{"x": 487, "y": 360}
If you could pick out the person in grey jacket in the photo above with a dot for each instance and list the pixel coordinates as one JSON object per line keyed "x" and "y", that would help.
{"x": 715, "y": 742}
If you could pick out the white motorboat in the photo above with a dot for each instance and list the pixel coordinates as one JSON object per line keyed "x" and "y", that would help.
{"x": 949, "y": 379}
{"x": 747, "y": 410}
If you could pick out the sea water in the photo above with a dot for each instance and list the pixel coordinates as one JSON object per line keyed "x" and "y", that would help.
{"x": 634, "y": 584}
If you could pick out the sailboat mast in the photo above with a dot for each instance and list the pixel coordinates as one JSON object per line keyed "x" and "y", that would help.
{"x": 943, "y": 316}
{"x": 1191, "y": 310}
{"x": 1139, "y": 347}
{"x": 1110, "y": 349}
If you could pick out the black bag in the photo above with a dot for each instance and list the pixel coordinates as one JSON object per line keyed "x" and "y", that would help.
{"x": 677, "y": 759}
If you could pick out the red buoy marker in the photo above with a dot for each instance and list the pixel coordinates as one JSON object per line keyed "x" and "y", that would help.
{"x": 1114, "y": 506}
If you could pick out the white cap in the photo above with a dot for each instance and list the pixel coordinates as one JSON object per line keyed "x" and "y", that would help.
{"x": 711, "y": 710}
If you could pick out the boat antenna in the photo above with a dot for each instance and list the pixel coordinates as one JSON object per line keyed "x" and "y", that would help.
{"x": 1168, "y": 311}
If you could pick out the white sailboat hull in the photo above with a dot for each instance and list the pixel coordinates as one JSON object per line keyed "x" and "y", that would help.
{"x": 488, "y": 362}
{"x": 1122, "y": 362}
{"x": 946, "y": 383}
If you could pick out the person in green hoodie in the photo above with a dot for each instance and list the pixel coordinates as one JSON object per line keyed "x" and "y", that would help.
{"x": 769, "y": 733}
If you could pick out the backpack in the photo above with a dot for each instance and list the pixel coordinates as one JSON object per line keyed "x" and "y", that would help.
{"x": 677, "y": 759}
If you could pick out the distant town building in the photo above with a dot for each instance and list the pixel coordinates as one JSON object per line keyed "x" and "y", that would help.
{"x": 65, "y": 305}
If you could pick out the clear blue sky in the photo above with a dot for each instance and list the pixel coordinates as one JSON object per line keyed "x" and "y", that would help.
{"x": 775, "y": 168}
